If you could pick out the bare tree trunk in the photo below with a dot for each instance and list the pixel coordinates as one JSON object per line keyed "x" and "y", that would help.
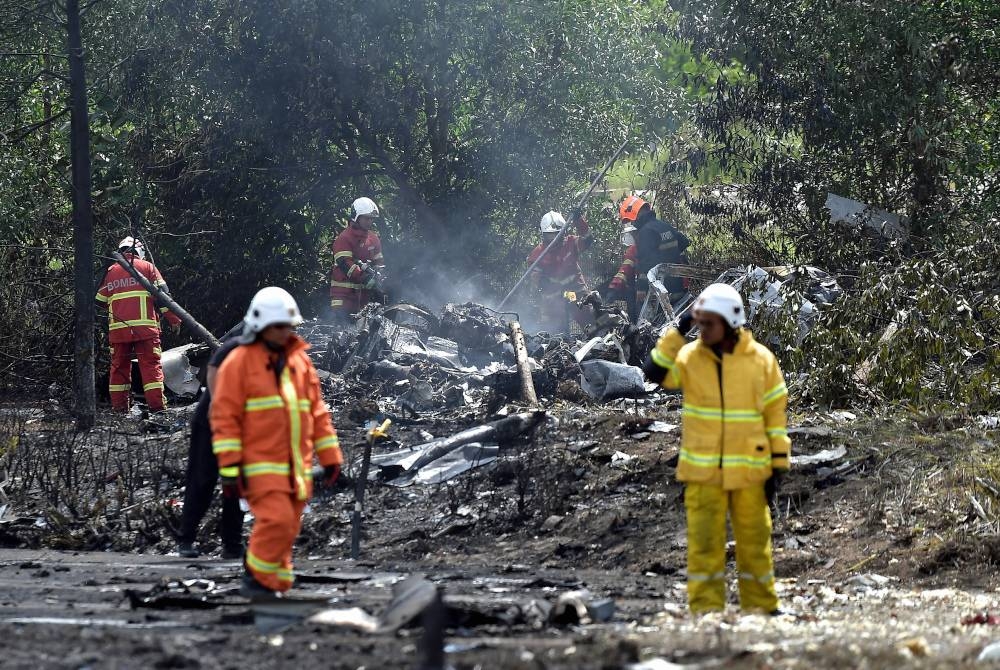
{"x": 521, "y": 355}
{"x": 83, "y": 238}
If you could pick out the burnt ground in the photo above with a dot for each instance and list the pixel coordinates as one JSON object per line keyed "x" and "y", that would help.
{"x": 881, "y": 552}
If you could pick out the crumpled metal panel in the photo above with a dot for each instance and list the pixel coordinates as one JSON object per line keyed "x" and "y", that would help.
{"x": 178, "y": 374}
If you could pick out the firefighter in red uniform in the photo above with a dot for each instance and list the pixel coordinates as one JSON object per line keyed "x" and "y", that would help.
{"x": 622, "y": 285}
{"x": 134, "y": 327}
{"x": 623, "y": 282}
{"x": 357, "y": 263}
{"x": 559, "y": 272}
{"x": 656, "y": 242}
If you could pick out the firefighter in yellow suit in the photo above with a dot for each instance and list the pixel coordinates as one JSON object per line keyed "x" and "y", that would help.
{"x": 734, "y": 446}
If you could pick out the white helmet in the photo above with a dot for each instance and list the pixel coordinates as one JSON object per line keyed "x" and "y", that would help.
{"x": 724, "y": 300}
{"x": 364, "y": 207}
{"x": 132, "y": 243}
{"x": 627, "y": 238}
{"x": 271, "y": 305}
{"x": 552, "y": 222}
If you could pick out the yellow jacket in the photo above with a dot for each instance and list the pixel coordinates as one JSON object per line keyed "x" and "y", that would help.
{"x": 735, "y": 429}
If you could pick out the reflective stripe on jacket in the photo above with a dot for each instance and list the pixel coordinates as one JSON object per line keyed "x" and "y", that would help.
{"x": 132, "y": 314}
{"x": 626, "y": 271}
{"x": 734, "y": 426}
{"x": 560, "y": 268}
{"x": 270, "y": 425}
{"x": 353, "y": 245}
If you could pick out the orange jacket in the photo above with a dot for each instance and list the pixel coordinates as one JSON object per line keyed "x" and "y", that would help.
{"x": 626, "y": 272}
{"x": 353, "y": 245}
{"x": 269, "y": 430}
{"x": 132, "y": 314}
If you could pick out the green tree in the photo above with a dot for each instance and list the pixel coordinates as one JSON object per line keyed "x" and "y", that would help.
{"x": 885, "y": 102}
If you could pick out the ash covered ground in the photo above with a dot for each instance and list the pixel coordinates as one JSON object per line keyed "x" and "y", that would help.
{"x": 561, "y": 545}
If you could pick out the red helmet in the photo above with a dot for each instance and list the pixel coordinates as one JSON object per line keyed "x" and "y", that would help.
{"x": 630, "y": 207}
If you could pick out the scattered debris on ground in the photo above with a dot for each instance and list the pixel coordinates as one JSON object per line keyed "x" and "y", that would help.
{"x": 551, "y": 532}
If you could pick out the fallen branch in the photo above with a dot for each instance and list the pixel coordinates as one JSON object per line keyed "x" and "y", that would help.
{"x": 167, "y": 301}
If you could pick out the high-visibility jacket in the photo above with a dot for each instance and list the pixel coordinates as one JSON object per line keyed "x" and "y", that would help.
{"x": 347, "y": 290}
{"x": 658, "y": 242}
{"x": 268, "y": 425}
{"x": 626, "y": 271}
{"x": 132, "y": 314}
{"x": 734, "y": 423}
{"x": 560, "y": 268}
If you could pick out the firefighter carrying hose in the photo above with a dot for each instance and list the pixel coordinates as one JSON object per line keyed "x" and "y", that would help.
{"x": 134, "y": 327}
{"x": 358, "y": 264}
{"x": 559, "y": 272}
{"x": 734, "y": 446}
{"x": 268, "y": 417}
{"x": 655, "y": 242}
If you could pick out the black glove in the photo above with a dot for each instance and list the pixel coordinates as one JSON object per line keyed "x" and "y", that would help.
{"x": 231, "y": 487}
{"x": 686, "y": 323}
{"x": 330, "y": 474}
{"x": 772, "y": 485}
{"x": 653, "y": 372}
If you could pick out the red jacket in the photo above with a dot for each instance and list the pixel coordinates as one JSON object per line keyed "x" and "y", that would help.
{"x": 626, "y": 272}
{"x": 352, "y": 245}
{"x": 132, "y": 315}
{"x": 269, "y": 428}
{"x": 560, "y": 268}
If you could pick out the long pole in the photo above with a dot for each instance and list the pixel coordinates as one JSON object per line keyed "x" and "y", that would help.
{"x": 165, "y": 300}
{"x": 357, "y": 517}
{"x": 578, "y": 208}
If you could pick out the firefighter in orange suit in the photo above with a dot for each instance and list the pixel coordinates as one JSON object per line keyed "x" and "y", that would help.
{"x": 558, "y": 272}
{"x": 357, "y": 262}
{"x": 734, "y": 446}
{"x": 268, "y": 417}
{"x": 134, "y": 327}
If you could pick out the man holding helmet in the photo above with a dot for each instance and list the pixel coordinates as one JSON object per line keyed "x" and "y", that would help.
{"x": 734, "y": 445}
{"x": 358, "y": 263}
{"x": 268, "y": 417}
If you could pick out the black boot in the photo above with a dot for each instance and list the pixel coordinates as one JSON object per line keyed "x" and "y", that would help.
{"x": 254, "y": 590}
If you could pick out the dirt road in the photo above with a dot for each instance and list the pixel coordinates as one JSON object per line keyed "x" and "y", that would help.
{"x": 71, "y": 610}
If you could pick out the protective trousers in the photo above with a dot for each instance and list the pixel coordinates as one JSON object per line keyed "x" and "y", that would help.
{"x": 202, "y": 476}
{"x": 277, "y": 520}
{"x": 751, "y": 520}
{"x": 120, "y": 378}
{"x": 555, "y": 311}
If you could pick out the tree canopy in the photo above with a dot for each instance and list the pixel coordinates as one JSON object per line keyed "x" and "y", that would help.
{"x": 233, "y": 135}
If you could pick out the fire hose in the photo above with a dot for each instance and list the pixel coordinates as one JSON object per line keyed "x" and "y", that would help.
{"x": 555, "y": 240}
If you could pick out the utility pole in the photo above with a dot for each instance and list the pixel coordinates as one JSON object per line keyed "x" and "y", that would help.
{"x": 85, "y": 408}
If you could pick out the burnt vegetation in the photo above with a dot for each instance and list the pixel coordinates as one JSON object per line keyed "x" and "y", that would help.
{"x": 232, "y": 135}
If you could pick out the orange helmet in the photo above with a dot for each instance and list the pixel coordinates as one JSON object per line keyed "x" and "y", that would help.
{"x": 630, "y": 207}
